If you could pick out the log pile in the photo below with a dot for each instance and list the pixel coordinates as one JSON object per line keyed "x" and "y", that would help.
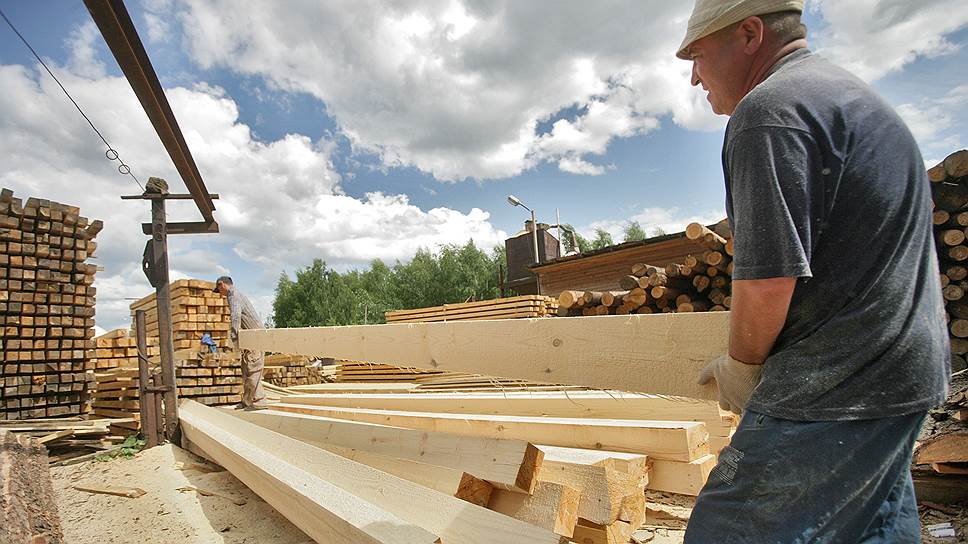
{"x": 698, "y": 283}
{"x": 525, "y": 306}
{"x": 46, "y": 307}
{"x": 949, "y": 188}
{"x": 195, "y": 310}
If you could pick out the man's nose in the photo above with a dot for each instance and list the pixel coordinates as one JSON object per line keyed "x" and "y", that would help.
{"x": 695, "y": 75}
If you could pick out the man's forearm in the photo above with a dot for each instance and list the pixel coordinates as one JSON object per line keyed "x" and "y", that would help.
{"x": 757, "y": 314}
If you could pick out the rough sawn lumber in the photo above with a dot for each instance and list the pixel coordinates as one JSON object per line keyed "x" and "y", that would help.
{"x": 673, "y": 440}
{"x": 660, "y": 353}
{"x": 327, "y": 495}
{"x": 510, "y": 464}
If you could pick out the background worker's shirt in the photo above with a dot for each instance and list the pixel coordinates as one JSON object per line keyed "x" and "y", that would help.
{"x": 242, "y": 312}
{"x": 825, "y": 183}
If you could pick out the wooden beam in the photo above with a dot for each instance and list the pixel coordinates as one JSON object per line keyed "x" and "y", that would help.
{"x": 660, "y": 353}
{"x": 552, "y": 506}
{"x": 685, "y": 478}
{"x": 509, "y": 464}
{"x": 673, "y": 440}
{"x": 574, "y": 404}
{"x": 323, "y": 510}
{"x": 606, "y": 484}
{"x": 593, "y": 533}
{"x": 293, "y": 476}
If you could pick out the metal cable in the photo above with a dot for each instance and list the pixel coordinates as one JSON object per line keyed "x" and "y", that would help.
{"x": 111, "y": 153}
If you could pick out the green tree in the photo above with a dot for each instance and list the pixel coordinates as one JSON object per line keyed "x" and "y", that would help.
{"x": 584, "y": 245}
{"x": 602, "y": 239}
{"x": 633, "y": 231}
{"x": 657, "y": 231}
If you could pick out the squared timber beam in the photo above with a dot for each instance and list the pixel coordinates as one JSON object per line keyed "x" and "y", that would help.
{"x": 510, "y": 464}
{"x": 248, "y": 451}
{"x": 660, "y": 353}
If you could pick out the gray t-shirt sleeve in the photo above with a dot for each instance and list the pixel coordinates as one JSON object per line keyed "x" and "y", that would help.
{"x": 770, "y": 176}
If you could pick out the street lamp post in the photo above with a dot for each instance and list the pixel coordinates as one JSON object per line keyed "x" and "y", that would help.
{"x": 515, "y": 201}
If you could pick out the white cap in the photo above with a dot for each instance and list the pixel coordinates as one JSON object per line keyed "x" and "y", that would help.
{"x": 708, "y": 16}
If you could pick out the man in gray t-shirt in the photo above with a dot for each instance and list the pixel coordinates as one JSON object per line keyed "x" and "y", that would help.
{"x": 838, "y": 344}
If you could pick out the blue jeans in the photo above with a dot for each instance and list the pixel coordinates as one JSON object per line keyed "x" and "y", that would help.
{"x": 796, "y": 482}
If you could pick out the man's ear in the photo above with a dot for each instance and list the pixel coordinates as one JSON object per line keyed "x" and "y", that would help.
{"x": 753, "y": 32}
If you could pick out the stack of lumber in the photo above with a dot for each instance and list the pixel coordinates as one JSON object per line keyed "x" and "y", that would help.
{"x": 949, "y": 189}
{"x": 214, "y": 379}
{"x": 582, "y": 478}
{"x": 288, "y": 370}
{"x": 698, "y": 283}
{"x": 502, "y": 308}
{"x": 355, "y": 371}
{"x": 117, "y": 349}
{"x": 195, "y": 310}
{"x": 65, "y": 438}
{"x": 360, "y": 374}
{"x": 46, "y": 307}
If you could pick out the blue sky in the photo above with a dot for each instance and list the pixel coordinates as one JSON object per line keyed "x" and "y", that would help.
{"x": 359, "y": 130}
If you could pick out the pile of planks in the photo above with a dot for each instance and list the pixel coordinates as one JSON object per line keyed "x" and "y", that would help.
{"x": 214, "y": 379}
{"x": 70, "y": 437}
{"x": 359, "y": 374}
{"x": 943, "y": 444}
{"x": 697, "y": 284}
{"x": 46, "y": 307}
{"x": 195, "y": 310}
{"x": 528, "y": 467}
{"x": 288, "y": 370}
{"x": 502, "y": 308}
{"x": 949, "y": 188}
{"x": 117, "y": 349}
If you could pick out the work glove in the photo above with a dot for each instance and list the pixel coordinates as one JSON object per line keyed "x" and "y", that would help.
{"x": 734, "y": 379}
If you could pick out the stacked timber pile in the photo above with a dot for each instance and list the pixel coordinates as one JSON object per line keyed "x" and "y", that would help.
{"x": 536, "y": 467}
{"x": 525, "y": 306}
{"x": 195, "y": 310}
{"x": 117, "y": 349}
{"x": 46, "y": 307}
{"x": 69, "y": 437}
{"x": 352, "y": 373}
{"x": 949, "y": 188}
{"x": 214, "y": 379}
{"x": 289, "y": 370}
{"x": 698, "y": 283}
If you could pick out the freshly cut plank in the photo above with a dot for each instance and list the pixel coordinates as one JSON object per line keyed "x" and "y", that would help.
{"x": 946, "y": 448}
{"x": 552, "y": 506}
{"x": 575, "y": 404}
{"x": 674, "y": 440}
{"x": 593, "y": 533}
{"x": 346, "y": 387}
{"x": 510, "y": 464}
{"x": 607, "y": 481}
{"x": 685, "y": 478}
{"x": 659, "y": 354}
{"x": 285, "y": 479}
{"x": 297, "y": 470}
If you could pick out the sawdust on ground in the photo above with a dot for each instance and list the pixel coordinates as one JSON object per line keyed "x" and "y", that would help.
{"x": 164, "y": 514}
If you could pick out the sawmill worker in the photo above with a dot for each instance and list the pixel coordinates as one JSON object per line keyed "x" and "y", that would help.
{"x": 244, "y": 316}
{"x": 838, "y": 346}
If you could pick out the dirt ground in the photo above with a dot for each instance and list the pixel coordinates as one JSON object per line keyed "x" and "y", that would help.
{"x": 164, "y": 514}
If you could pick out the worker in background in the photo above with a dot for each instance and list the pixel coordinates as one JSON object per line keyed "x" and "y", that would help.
{"x": 244, "y": 316}
{"x": 838, "y": 345}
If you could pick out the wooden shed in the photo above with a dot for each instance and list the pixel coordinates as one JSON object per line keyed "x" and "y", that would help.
{"x": 600, "y": 270}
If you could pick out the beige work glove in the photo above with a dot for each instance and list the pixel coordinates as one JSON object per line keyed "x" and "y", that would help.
{"x": 734, "y": 379}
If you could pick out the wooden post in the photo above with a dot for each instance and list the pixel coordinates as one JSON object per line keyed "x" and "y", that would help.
{"x": 156, "y": 382}
{"x": 149, "y": 418}
{"x": 159, "y": 257}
